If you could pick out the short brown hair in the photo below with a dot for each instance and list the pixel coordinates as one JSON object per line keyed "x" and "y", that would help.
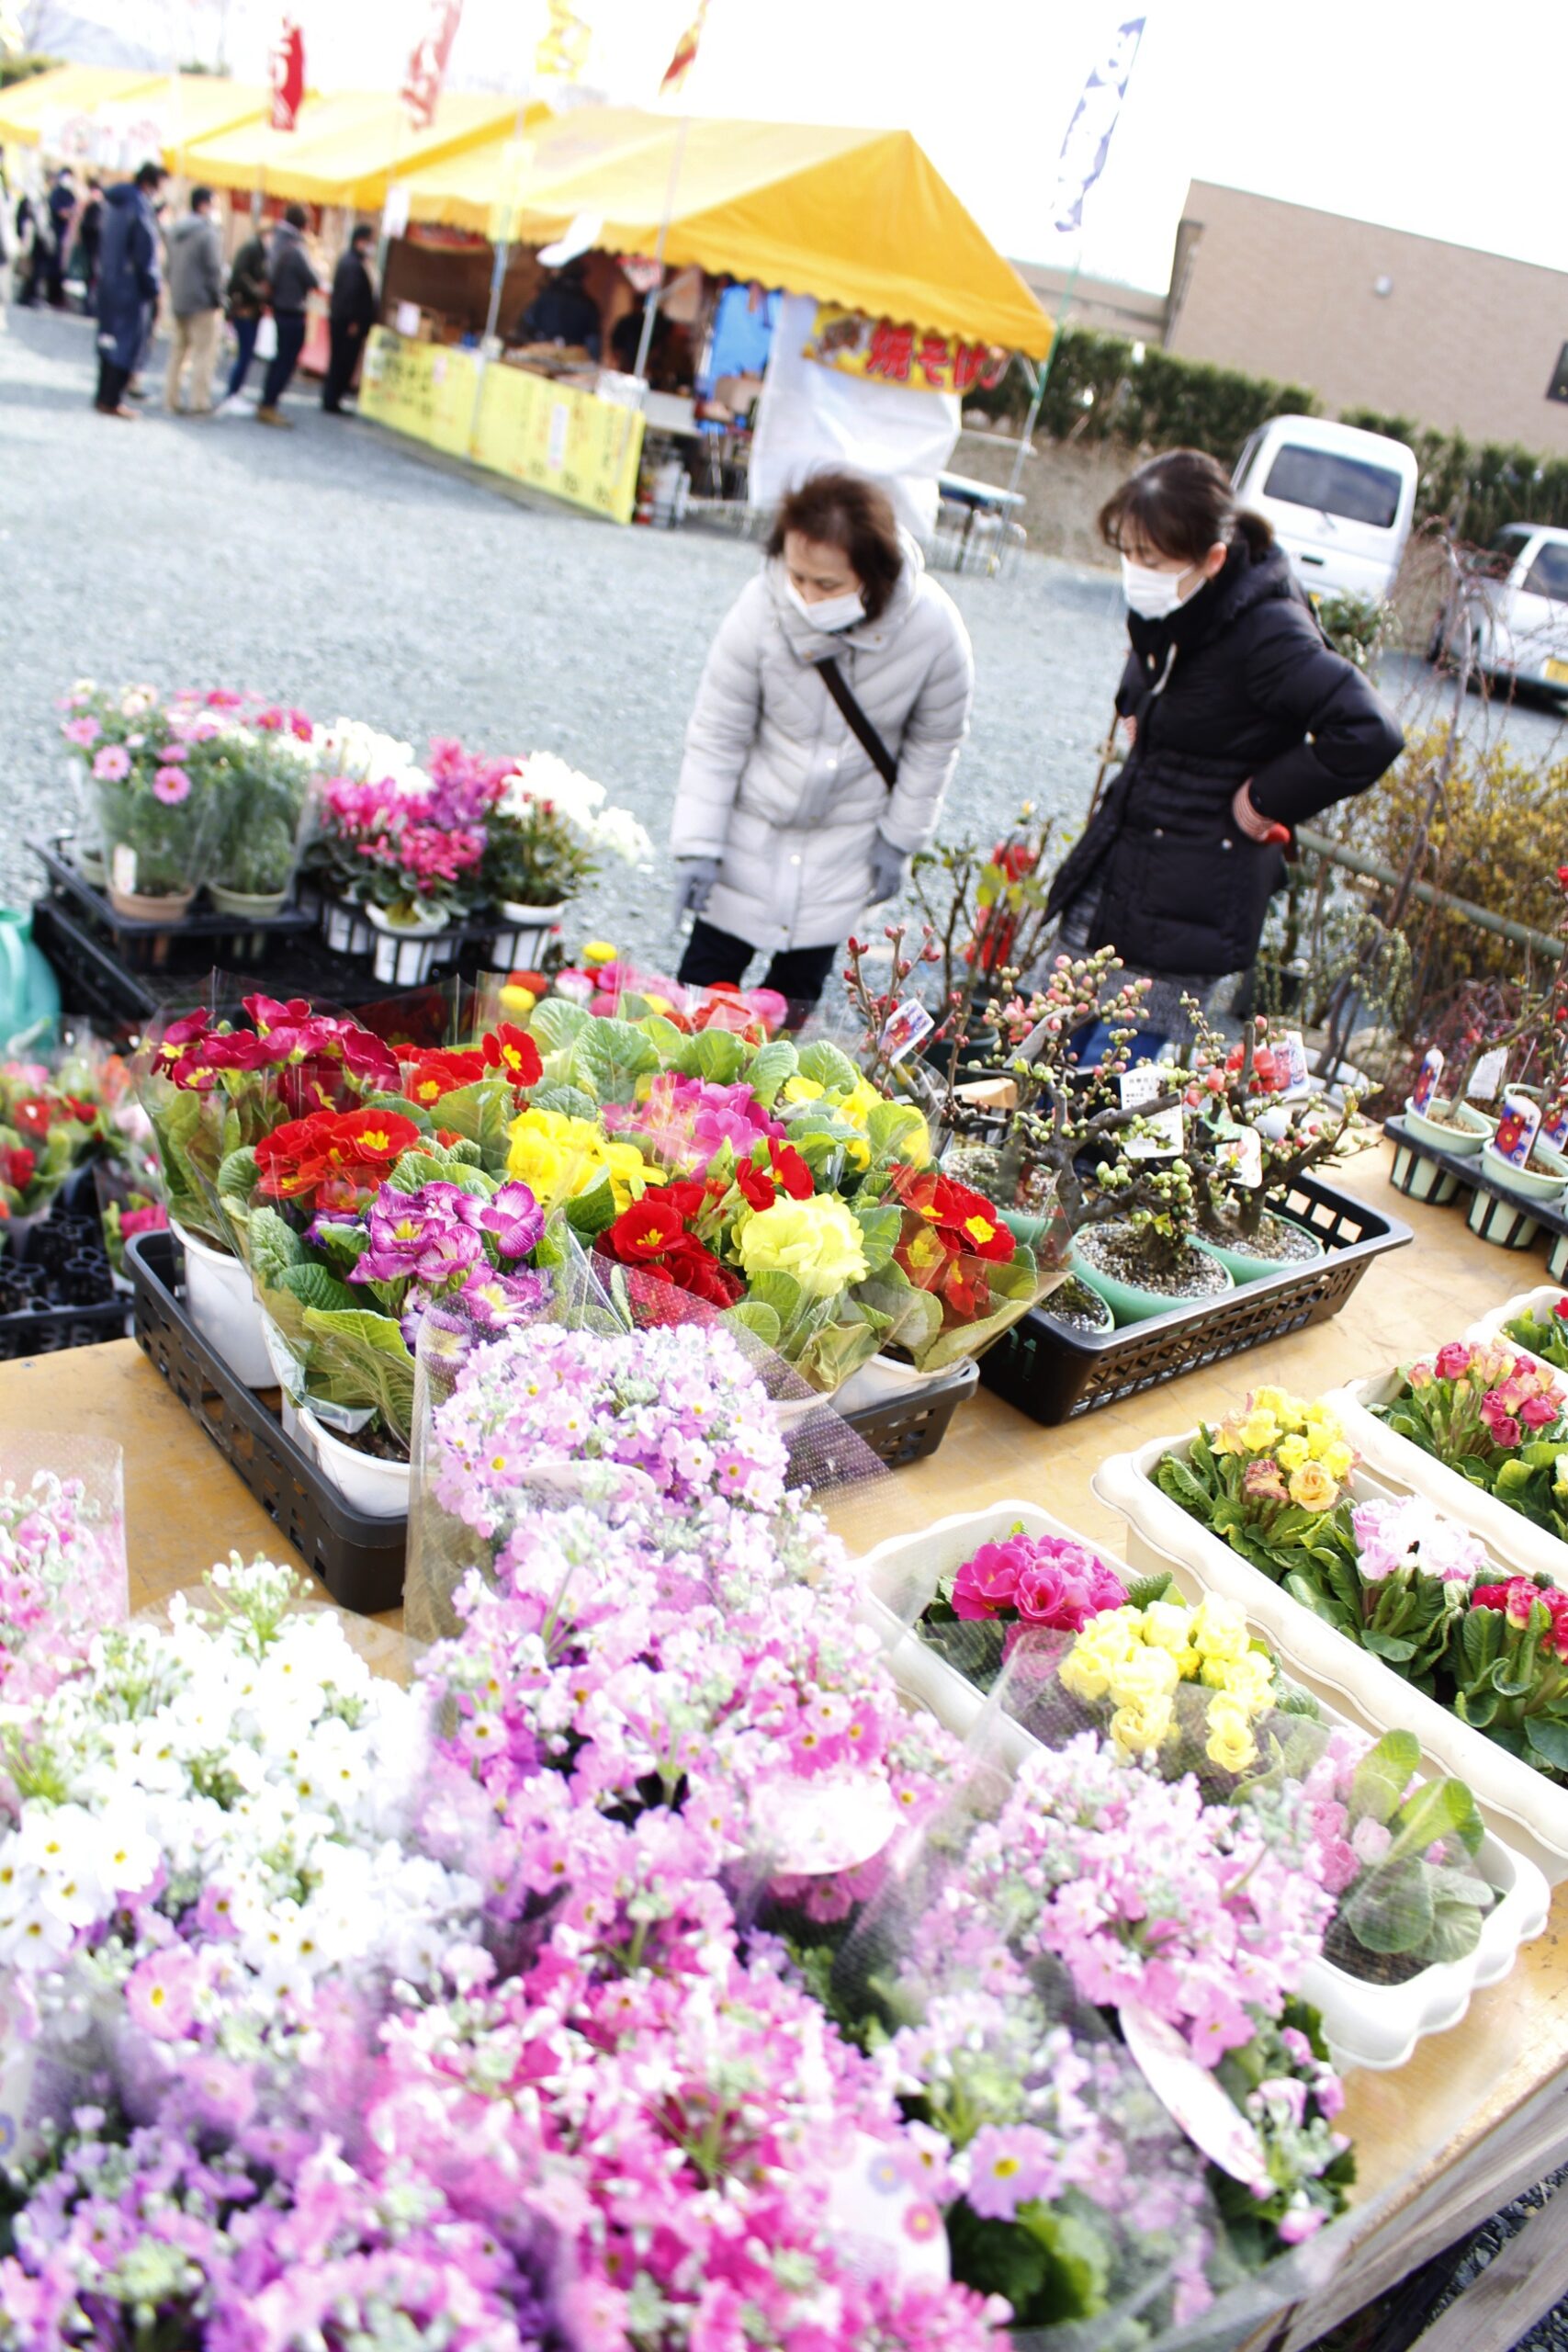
{"x": 1181, "y": 504}
{"x": 846, "y": 510}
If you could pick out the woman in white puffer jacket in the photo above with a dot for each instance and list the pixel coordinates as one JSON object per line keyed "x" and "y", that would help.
{"x": 784, "y": 829}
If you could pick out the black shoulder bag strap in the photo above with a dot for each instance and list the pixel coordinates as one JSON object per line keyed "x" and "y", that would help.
{"x": 858, "y": 725}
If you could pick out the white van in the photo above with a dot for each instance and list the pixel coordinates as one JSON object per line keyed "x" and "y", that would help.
{"x": 1514, "y": 603}
{"x": 1340, "y": 500}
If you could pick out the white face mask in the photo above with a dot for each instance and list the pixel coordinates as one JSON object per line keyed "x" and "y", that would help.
{"x": 833, "y": 612}
{"x": 1151, "y": 595}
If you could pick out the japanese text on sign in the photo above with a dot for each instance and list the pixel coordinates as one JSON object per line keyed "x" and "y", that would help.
{"x": 885, "y": 353}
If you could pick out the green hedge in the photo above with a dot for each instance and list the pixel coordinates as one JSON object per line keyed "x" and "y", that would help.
{"x": 1097, "y": 392}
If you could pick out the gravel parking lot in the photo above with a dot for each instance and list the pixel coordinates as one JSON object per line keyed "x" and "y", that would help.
{"x": 335, "y": 568}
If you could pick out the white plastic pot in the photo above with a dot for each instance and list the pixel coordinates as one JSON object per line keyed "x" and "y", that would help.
{"x": 404, "y": 952}
{"x": 1367, "y": 2025}
{"x": 523, "y": 935}
{"x": 1520, "y": 1803}
{"x": 225, "y": 1309}
{"x": 344, "y": 928}
{"x": 1541, "y": 1302}
{"x": 380, "y": 1489}
{"x": 885, "y": 1381}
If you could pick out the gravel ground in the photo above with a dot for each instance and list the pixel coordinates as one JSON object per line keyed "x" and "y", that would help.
{"x": 334, "y": 568}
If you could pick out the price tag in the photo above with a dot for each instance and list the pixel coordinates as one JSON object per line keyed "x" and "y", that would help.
{"x": 1554, "y": 1126}
{"x": 1426, "y": 1078}
{"x": 1290, "y": 1055}
{"x": 1517, "y": 1129}
{"x": 1242, "y": 1152}
{"x": 880, "y": 2218}
{"x": 1192, "y": 2097}
{"x": 1488, "y": 1075}
{"x": 908, "y": 1025}
{"x": 823, "y": 1822}
{"x": 1145, "y": 1083}
{"x": 122, "y": 868}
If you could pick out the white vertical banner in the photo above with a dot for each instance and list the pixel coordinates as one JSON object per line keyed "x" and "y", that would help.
{"x": 1087, "y": 140}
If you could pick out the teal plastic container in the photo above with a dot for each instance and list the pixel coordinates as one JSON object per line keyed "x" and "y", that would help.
{"x": 1242, "y": 1267}
{"x": 1130, "y": 1304}
{"x": 30, "y": 993}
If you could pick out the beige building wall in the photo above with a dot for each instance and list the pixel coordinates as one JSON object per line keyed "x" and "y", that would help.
{"x": 1103, "y": 304}
{"x": 1369, "y": 317}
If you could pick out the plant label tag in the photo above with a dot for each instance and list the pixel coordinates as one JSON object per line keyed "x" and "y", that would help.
{"x": 881, "y": 2219}
{"x": 1192, "y": 2097}
{"x": 1555, "y": 1124}
{"x": 1145, "y": 1083}
{"x": 1488, "y": 1075}
{"x": 1242, "y": 1153}
{"x": 122, "y": 869}
{"x": 1517, "y": 1129}
{"x": 825, "y": 1822}
{"x": 1426, "y": 1078}
{"x": 1291, "y": 1058}
{"x": 908, "y": 1025}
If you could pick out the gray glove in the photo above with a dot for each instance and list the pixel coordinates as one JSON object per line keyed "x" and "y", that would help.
{"x": 694, "y": 879}
{"x": 889, "y": 871}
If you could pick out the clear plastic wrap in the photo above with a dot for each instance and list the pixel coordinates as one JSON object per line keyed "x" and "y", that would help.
{"x": 63, "y": 1575}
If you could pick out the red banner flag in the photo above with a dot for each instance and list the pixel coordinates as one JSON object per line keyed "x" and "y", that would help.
{"x": 681, "y": 65}
{"x": 286, "y": 66}
{"x": 427, "y": 63}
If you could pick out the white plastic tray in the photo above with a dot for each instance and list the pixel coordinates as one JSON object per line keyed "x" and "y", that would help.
{"x": 1517, "y": 1802}
{"x": 1542, "y": 1300}
{"x": 1515, "y": 1541}
{"x": 1367, "y": 2025}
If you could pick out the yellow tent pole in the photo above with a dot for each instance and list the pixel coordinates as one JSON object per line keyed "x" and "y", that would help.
{"x": 650, "y": 308}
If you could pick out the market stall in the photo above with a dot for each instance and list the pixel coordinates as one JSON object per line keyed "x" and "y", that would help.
{"x": 111, "y": 120}
{"x": 854, "y": 225}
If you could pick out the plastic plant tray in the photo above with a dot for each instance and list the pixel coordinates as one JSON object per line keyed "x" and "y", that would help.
{"x": 60, "y": 1292}
{"x": 1054, "y": 1374}
{"x": 1492, "y": 1211}
{"x": 359, "y": 1558}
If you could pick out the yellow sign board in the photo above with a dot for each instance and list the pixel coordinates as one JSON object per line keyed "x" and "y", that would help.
{"x": 560, "y": 438}
{"x": 882, "y": 352}
{"x": 556, "y": 437}
{"x": 425, "y": 390}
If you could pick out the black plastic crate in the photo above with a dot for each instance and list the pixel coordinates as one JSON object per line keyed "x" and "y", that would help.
{"x": 906, "y": 1431}
{"x": 358, "y": 1558}
{"x": 192, "y": 941}
{"x": 1513, "y": 1222}
{"x": 57, "y": 1289}
{"x": 1054, "y": 1374}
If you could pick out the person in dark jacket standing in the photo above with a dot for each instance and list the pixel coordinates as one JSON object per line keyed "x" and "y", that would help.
{"x": 196, "y": 300}
{"x": 1244, "y": 725}
{"x": 353, "y": 314}
{"x": 90, "y": 237}
{"x": 291, "y": 274}
{"x": 62, "y": 213}
{"x": 248, "y": 292}
{"x": 127, "y": 285}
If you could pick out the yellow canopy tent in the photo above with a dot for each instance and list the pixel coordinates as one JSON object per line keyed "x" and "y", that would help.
{"x": 858, "y": 218}
{"x": 348, "y": 148}
{"x": 30, "y": 109}
{"x": 206, "y": 106}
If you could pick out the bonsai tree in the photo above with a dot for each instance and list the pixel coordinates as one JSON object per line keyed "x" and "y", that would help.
{"x": 984, "y": 914}
{"x": 1243, "y": 1091}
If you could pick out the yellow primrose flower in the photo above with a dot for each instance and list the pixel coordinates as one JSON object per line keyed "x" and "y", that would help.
{"x": 1139, "y": 1729}
{"x": 1099, "y": 1651}
{"x": 1230, "y": 1744}
{"x": 803, "y": 1090}
{"x": 1147, "y": 1674}
{"x": 517, "y": 1001}
{"x": 1260, "y": 1431}
{"x": 1292, "y": 1452}
{"x": 818, "y": 1241}
{"x": 1339, "y": 1459}
{"x": 1167, "y": 1625}
{"x": 1249, "y": 1680}
{"x": 858, "y": 1103}
{"x": 1312, "y": 1488}
{"x": 557, "y": 1158}
{"x": 598, "y": 951}
{"x": 1219, "y": 1628}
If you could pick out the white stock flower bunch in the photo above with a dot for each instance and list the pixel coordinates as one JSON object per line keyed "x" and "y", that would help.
{"x": 351, "y": 748}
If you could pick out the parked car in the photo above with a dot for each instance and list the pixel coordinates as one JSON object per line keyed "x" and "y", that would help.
{"x": 1341, "y": 500}
{"x": 1512, "y": 604}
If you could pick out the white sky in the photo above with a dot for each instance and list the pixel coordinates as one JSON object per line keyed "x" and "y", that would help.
{"x": 1438, "y": 118}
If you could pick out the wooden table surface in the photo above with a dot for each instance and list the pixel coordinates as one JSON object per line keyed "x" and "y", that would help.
{"x": 1480, "y": 2111}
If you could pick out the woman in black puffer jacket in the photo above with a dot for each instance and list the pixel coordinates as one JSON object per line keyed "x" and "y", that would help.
{"x": 1244, "y": 725}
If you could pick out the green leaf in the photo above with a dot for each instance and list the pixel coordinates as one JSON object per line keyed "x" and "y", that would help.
{"x": 609, "y": 1057}
{"x": 754, "y": 1315}
{"x": 237, "y": 1177}
{"x": 361, "y": 1358}
{"x": 275, "y": 1247}
{"x": 890, "y": 1127}
{"x": 1548, "y": 1739}
{"x": 317, "y": 1286}
{"x": 665, "y": 1038}
{"x": 555, "y": 1022}
{"x": 825, "y": 1066}
{"x": 1382, "y": 1776}
{"x": 715, "y": 1055}
{"x": 770, "y": 1068}
{"x": 481, "y": 1113}
{"x": 880, "y": 1226}
{"x": 593, "y": 1212}
{"x": 1391, "y": 1910}
{"x": 570, "y": 1101}
{"x": 1144, "y": 1590}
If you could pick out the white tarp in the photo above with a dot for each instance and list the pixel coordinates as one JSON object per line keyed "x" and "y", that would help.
{"x": 809, "y": 417}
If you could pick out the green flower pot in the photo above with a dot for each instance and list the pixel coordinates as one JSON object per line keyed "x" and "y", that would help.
{"x": 1245, "y": 1266}
{"x": 1129, "y": 1302}
{"x": 1477, "y": 1128}
{"x": 1528, "y": 1183}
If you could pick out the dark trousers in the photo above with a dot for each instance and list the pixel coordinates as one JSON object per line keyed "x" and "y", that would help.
{"x": 346, "y": 348}
{"x": 112, "y": 381}
{"x": 799, "y": 973}
{"x": 290, "y": 343}
{"x": 245, "y": 333}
